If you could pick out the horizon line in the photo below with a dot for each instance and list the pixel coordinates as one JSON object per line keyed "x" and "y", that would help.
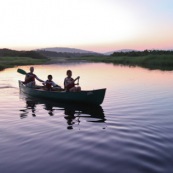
{"x": 123, "y": 49}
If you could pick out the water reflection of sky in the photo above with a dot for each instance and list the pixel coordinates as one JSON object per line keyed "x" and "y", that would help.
{"x": 97, "y": 75}
{"x": 131, "y": 130}
{"x": 93, "y": 75}
{"x": 125, "y": 85}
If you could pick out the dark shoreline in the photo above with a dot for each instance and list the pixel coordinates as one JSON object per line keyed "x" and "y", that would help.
{"x": 9, "y": 62}
{"x": 152, "y": 62}
{"x": 150, "y": 59}
{"x": 159, "y": 62}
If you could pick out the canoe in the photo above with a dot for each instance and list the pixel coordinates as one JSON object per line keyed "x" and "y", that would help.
{"x": 95, "y": 97}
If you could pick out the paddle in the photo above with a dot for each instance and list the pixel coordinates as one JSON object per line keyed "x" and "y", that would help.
{"x": 78, "y": 82}
{"x": 21, "y": 71}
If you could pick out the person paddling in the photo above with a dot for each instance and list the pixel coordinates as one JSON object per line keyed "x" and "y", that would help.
{"x": 50, "y": 85}
{"x": 30, "y": 78}
{"x": 69, "y": 83}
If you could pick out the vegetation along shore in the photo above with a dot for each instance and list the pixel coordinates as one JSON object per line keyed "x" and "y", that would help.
{"x": 11, "y": 58}
{"x": 151, "y": 59}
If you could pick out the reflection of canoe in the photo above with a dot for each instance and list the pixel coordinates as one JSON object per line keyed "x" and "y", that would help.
{"x": 90, "y": 97}
{"x": 69, "y": 108}
{"x": 72, "y": 111}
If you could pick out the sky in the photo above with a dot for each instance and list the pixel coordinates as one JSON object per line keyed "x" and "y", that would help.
{"x": 96, "y": 25}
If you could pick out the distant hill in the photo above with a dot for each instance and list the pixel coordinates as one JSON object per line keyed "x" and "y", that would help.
{"x": 66, "y": 50}
{"x": 57, "y": 52}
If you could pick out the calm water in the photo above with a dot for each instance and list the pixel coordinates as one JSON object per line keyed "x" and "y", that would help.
{"x": 131, "y": 132}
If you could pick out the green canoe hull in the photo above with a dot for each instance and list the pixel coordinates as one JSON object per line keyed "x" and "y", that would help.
{"x": 89, "y": 97}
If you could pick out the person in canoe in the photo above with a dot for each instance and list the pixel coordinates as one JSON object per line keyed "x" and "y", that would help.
{"x": 30, "y": 78}
{"x": 69, "y": 83}
{"x": 50, "y": 85}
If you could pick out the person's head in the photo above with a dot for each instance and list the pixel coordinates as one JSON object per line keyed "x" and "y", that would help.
{"x": 69, "y": 73}
{"x": 49, "y": 77}
{"x": 31, "y": 69}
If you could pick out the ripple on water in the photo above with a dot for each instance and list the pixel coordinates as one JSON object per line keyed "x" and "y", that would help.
{"x": 131, "y": 132}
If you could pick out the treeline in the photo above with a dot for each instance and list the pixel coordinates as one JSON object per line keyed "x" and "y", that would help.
{"x": 15, "y": 53}
{"x": 43, "y": 54}
{"x": 143, "y": 53}
{"x": 65, "y": 54}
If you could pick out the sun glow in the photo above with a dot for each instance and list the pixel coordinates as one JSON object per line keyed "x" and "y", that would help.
{"x": 59, "y": 23}
{"x": 82, "y": 24}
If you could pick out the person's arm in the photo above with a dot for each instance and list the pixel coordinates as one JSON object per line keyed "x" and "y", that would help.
{"x": 44, "y": 83}
{"x": 38, "y": 79}
{"x": 72, "y": 81}
{"x": 26, "y": 77}
{"x": 76, "y": 78}
{"x": 55, "y": 85}
{"x": 65, "y": 83}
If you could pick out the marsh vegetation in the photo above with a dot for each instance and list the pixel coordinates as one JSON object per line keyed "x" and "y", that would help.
{"x": 11, "y": 58}
{"x": 6, "y": 62}
{"x": 151, "y": 59}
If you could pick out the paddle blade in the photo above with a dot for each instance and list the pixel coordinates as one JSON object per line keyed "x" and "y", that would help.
{"x": 21, "y": 71}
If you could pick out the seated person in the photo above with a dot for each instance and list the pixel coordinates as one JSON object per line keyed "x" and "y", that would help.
{"x": 69, "y": 83}
{"x": 30, "y": 78}
{"x": 50, "y": 85}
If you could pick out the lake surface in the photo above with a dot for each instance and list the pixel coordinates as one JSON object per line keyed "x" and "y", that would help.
{"x": 131, "y": 132}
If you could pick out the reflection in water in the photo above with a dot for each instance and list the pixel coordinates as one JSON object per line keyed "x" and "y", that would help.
{"x": 30, "y": 105}
{"x": 138, "y": 135}
{"x": 72, "y": 111}
{"x": 49, "y": 108}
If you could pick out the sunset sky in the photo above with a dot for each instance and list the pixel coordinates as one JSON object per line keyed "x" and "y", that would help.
{"x": 97, "y": 25}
